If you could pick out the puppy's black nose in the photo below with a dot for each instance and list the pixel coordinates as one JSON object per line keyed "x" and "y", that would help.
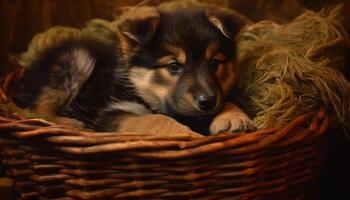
{"x": 206, "y": 102}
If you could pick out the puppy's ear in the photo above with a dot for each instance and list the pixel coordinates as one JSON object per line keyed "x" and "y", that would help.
{"x": 229, "y": 22}
{"x": 137, "y": 27}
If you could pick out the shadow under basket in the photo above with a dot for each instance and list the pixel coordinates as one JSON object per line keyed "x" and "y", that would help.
{"x": 48, "y": 161}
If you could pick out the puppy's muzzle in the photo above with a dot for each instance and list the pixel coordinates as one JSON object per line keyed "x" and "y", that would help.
{"x": 206, "y": 102}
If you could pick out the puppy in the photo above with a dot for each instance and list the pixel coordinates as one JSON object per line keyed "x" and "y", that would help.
{"x": 174, "y": 64}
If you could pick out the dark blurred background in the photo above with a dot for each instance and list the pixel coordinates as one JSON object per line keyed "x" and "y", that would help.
{"x": 21, "y": 19}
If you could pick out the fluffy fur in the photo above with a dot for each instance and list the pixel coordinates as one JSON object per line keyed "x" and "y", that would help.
{"x": 179, "y": 63}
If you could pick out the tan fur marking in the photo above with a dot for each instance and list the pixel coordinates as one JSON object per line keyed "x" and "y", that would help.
{"x": 211, "y": 49}
{"x": 212, "y": 52}
{"x": 189, "y": 98}
{"x": 129, "y": 43}
{"x": 50, "y": 102}
{"x": 166, "y": 60}
{"x": 179, "y": 54}
{"x": 226, "y": 77}
{"x": 153, "y": 93}
{"x": 224, "y": 71}
{"x": 130, "y": 107}
{"x": 126, "y": 51}
{"x": 169, "y": 78}
{"x": 152, "y": 124}
{"x": 221, "y": 71}
{"x": 219, "y": 56}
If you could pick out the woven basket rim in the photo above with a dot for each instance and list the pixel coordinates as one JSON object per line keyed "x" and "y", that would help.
{"x": 64, "y": 161}
{"x": 70, "y": 141}
{"x": 82, "y": 142}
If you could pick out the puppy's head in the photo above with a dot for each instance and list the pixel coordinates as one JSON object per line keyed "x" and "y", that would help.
{"x": 181, "y": 61}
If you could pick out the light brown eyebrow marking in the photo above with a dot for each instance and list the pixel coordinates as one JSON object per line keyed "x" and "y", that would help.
{"x": 212, "y": 52}
{"x": 166, "y": 60}
{"x": 179, "y": 54}
{"x": 221, "y": 57}
{"x": 227, "y": 76}
{"x": 221, "y": 70}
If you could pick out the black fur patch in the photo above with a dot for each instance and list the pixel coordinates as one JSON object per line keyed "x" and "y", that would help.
{"x": 186, "y": 29}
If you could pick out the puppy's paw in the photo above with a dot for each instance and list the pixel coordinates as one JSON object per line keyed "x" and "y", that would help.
{"x": 231, "y": 119}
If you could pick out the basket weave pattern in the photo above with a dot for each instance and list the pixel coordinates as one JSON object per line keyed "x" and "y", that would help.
{"x": 49, "y": 161}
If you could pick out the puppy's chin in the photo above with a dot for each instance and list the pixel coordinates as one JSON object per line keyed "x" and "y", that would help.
{"x": 191, "y": 114}
{"x": 198, "y": 123}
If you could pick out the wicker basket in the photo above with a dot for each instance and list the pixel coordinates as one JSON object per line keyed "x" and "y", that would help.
{"x": 48, "y": 161}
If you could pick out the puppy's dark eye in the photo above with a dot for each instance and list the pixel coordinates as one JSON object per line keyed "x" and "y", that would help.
{"x": 214, "y": 63}
{"x": 175, "y": 67}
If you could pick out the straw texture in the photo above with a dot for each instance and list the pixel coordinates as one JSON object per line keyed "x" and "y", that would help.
{"x": 295, "y": 68}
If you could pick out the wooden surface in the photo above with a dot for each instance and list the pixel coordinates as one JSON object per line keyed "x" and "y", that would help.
{"x": 21, "y": 19}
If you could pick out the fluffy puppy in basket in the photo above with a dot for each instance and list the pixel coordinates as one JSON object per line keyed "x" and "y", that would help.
{"x": 175, "y": 64}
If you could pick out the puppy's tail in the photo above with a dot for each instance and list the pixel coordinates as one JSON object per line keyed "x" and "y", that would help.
{"x": 57, "y": 78}
{"x": 78, "y": 64}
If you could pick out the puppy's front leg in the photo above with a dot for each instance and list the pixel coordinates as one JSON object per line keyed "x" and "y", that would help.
{"x": 150, "y": 123}
{"x": 231, "y": 119}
